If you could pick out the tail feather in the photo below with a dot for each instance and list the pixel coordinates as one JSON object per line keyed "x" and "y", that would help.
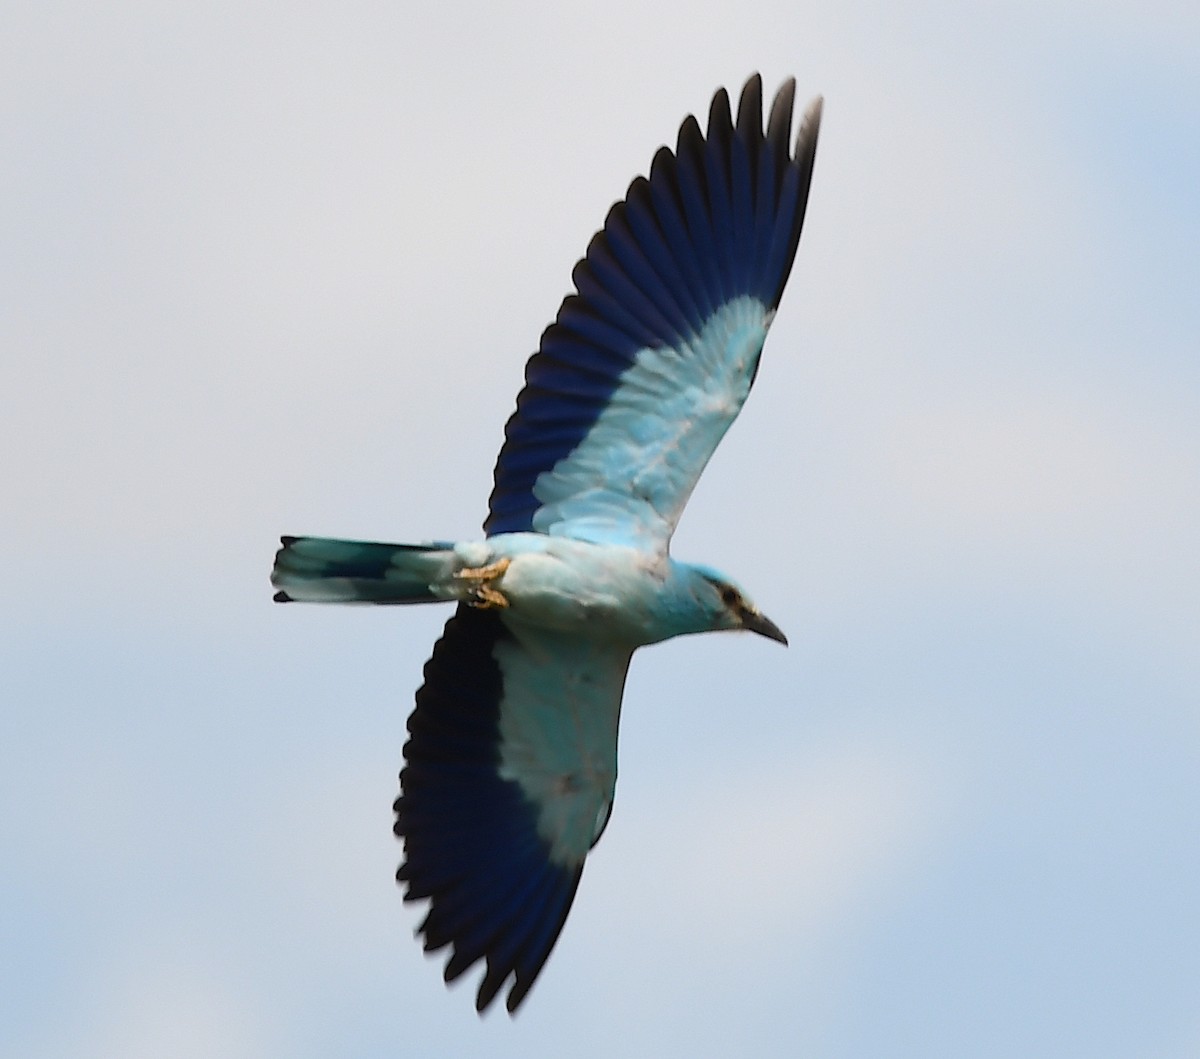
{"x": 323, "y": 570}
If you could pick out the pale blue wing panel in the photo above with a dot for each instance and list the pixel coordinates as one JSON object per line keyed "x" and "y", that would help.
{"x": 508, "y": 781}
{"x": 646, "y": 366}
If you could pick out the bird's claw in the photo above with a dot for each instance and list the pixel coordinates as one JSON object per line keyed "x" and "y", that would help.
{"x": 483, "y": 595}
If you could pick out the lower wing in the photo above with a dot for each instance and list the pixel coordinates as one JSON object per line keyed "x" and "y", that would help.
{"x": 508, "y": 782}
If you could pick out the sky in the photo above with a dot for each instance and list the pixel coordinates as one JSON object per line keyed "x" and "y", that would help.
{"x": 276, "y": 269}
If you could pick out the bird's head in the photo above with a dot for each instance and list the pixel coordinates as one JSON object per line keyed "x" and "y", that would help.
{"x": 730, "y": 608}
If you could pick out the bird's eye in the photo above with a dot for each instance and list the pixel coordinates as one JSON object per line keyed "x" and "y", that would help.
{"x": 729, "y": 596}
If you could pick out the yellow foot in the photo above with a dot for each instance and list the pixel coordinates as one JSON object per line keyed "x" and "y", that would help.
{"x": 483, "y": 595}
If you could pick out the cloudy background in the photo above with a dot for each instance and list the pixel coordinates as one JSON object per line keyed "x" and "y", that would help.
{"x": 276, "y": 268}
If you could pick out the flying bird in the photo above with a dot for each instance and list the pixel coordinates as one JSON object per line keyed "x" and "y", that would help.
{"x": 511, "y": 761}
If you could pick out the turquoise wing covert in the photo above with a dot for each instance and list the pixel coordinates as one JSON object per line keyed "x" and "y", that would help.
{"x": 648, "y": 364}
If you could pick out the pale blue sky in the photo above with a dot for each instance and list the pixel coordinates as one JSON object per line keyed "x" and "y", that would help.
{"x": 277, "y": 268}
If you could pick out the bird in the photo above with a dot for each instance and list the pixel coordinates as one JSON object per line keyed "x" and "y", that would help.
{"x": 510, "y": 764}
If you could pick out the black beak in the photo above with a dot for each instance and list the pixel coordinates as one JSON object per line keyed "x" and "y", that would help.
{"x": 764, "y": 626}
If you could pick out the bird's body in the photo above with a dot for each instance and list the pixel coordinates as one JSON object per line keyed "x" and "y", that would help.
{"x": 610, "y": 592}
{"x": 510, "y": 767}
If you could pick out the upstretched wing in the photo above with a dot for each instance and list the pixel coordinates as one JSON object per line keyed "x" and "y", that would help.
{"x": 645, "y": 368}
{"x": 508, "y": 782}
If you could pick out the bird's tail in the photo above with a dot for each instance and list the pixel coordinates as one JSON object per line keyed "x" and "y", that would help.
{"x": 323, "y": 570}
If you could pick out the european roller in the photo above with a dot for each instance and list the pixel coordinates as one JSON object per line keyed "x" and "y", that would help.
{"x": 511, "y": 761}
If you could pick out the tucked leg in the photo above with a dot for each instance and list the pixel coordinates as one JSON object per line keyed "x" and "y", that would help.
{"x": 481, "y": 578}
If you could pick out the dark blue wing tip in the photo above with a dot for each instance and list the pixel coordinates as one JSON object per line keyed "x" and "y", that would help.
{"x": 512, "y": 935}
{"x": 717, "y": 218}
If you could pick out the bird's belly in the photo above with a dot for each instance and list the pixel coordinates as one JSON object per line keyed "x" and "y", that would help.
{"x": 585, "y": 591}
